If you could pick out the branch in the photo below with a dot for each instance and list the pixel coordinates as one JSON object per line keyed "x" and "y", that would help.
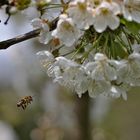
{"x": 7, "y": 43}
{"x": 32, "y": 34}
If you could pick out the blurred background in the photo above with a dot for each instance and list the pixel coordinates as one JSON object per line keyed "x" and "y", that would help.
{"x": 55, "y": 113}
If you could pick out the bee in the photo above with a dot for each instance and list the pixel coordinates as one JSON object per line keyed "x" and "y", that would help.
{"x": 24, "y": 102}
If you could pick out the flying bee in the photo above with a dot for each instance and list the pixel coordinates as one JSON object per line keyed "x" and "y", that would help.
{"x": 25, "y": 101}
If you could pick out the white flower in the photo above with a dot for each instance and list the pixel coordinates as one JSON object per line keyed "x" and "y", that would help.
{"x": 129, "y": 70}
{"x": 81, "y": 82}
{"x": 131, "y": 10}
{"x": 76, "y": 79}
{"x": 105, "y": 16}
{"x": 101, "y": 73}
{"x": 45, "y": 34}
{"x": 117, "y": 91}
{"x": 66, "y": 31}
{"x": 81, "y": 14}
{"x": 47, "y": 60}
{"x": 96, "y": 88}
{"x": 63, "y": 65}
{"x": 101, "y": 69}
{"x": 69, "y": 74}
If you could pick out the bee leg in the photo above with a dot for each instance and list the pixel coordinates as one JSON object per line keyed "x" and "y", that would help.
{"x": 24, "y": 106}
{"x": 18, "y": 105}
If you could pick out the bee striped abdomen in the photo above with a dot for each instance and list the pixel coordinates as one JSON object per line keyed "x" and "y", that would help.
{"x": 24, "y": 102}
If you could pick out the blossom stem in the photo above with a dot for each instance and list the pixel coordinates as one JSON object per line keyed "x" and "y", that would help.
{"x": 106, "y": 47}
{"x": 112, "y": 45}
{"x": 93, "y": 46}
{"x": 68, "y": 53}
{"x": 127, "y": 37}
{"x": 77, "y": 51}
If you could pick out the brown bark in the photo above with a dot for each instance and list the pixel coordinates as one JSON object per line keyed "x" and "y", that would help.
{"x": 7, "y": 43}
{"x": 32, "y": 34}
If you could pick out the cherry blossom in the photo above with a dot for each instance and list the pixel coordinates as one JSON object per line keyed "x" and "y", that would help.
{"x": 81, "y": 14}
{"x": 106, "y": 16}
{"x": 66, "y": 31}
{"x": 101, "y": 64}
{"x": 45, "y": 35}
{"x": 131, "y": 10}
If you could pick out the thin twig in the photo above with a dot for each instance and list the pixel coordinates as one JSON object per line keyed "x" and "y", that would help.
{"x": 7, "y": 43}
{"x": 32, "y": 34}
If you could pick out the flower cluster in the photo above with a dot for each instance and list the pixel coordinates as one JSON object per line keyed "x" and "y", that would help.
{"x": 101, "y": 76}
{"x": 104, "y": 37}
{"x": 79, "y": 15}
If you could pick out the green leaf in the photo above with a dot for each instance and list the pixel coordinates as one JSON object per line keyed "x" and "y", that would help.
{"x": 120, "y": 51}
{"x": 133, "y": 27}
